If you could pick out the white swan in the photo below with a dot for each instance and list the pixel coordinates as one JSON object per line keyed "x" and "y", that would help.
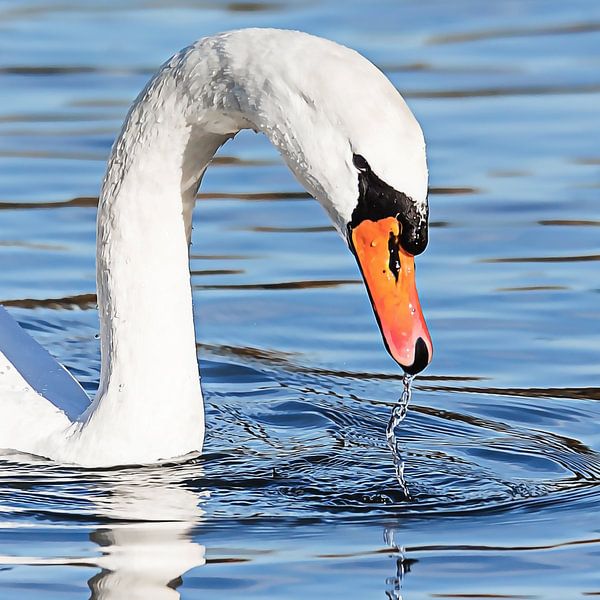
{"x": 348, "y": 137}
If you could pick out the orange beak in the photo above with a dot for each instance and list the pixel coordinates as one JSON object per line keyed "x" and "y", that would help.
{"x": 389, "y": 274}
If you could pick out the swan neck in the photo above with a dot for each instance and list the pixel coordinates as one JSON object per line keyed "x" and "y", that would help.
{"x": 198, "y": 100}
{"x": 149, "y": 372}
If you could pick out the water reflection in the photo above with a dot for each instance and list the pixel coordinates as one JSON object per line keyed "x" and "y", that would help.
{"x": 511, "y": 32}
{"x": 145, "y": 553}
{"x": 82, "y": 301}
{"x": 501, "y": 442}
{"x": 401, "y": 562}
{"x": 148, "y": 513}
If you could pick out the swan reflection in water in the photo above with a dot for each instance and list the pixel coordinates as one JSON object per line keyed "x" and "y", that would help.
{"x": 148, "y": 514}
{"x": 146, "y": 545}
{"x": 146, "y": 554}
{"x": 150, "y": 517}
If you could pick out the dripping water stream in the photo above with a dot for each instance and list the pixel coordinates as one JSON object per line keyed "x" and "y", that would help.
{"x": 398, "y": 415}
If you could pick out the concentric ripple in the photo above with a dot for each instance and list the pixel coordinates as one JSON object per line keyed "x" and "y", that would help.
{"x": 286, "y": 443}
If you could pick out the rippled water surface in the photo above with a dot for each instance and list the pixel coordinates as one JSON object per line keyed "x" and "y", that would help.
{"x": 296, "y": 496}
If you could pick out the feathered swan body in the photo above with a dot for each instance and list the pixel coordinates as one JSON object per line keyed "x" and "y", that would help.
{"x": 350, "y": 140}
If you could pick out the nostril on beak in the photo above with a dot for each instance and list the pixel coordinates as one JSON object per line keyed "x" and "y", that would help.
{"x": 421, "y": 358}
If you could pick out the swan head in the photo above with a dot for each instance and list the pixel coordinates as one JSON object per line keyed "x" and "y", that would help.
{"x": 349, "y": 138}
{"x": 354, "y": 144}
{"x": 385, "y": 226}
{"x": 386, "y": 230}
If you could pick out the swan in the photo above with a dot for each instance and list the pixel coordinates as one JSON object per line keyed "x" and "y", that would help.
{"x": 348, "y": 137}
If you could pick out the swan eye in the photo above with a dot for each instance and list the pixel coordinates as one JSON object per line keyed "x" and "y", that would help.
{"x": 360, "y": 162}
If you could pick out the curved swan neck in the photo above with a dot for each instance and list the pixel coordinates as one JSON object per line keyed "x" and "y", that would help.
{"x": 149, "y": 391}
{"x": 144, "y": 293}
{"x": 198, "y": 100}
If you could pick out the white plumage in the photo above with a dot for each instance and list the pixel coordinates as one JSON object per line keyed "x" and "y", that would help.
{"x": 318, "y": 103}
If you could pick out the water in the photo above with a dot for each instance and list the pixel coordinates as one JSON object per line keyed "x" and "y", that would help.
{"x": 398, "y": 415}
{"x": 297, "y": 495}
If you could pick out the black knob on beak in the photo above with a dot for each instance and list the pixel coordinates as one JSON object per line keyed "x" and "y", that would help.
{"x": 421, "y": 358}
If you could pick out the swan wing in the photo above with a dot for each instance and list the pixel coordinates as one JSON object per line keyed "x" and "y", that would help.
{"x": 27, "y": 366}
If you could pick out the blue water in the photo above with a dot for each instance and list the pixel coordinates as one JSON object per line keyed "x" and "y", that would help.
{"x": 296, "y": 495}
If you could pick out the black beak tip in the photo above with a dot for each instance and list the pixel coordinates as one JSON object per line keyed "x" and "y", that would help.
{"x": 421, "y": 358}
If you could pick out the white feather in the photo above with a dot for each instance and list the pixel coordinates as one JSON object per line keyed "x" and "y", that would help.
{"x": 318, "y": 103}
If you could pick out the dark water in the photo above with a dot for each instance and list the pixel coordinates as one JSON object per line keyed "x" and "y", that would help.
{"x": 296, "y": 496}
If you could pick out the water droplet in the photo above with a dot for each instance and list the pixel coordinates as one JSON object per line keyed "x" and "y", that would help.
{"x": 373, "y": 243}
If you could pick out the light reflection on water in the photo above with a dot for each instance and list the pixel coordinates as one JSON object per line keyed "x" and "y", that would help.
{"x": 297, "y": 492}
